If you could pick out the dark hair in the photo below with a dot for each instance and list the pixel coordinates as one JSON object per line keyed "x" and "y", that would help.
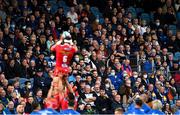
{"x": 15, "y": 82}
{"x": 71, "y": 99}
{"x": 139, "y": 102}
{"x": 82, "y": 81}
{"x": 38, "y": 90}
{"x": 35, "y": 105}
{"x": 10, "y": 84}
{"x": 141, "y": 85}
{"x": 27, "y": 82}
{"x": 71, "y": 96}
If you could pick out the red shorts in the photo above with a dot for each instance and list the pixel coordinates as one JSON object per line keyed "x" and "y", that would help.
{"x": 61, "y": 70}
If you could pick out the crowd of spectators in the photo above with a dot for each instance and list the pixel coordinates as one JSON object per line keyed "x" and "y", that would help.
{"x": 101, "y": 73}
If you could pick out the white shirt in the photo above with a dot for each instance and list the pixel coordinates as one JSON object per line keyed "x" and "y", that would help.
{"x": 142, "y": 30}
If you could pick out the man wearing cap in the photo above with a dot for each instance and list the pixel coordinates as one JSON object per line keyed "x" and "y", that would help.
{"x": 64, "y": 54}
{"x": 41, "y": 82}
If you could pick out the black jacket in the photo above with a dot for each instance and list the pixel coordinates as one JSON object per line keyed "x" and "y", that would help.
{"x": 116, "y": 105}
{"x": 42, "y": 83}
{"x": 103, "y": 105}
{"x": 28, "y": 108}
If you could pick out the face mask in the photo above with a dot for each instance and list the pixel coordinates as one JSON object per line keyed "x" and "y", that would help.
{"x": 13, "y": 25}
{"x": 145, "y": 76}
{"x": 86, "y": 60}
{"x": 123, "y": 33}
{"x": 113, "y": 74}
{"x": 135, "y": 76}
{"x": 129, "y": 85}
{"x": 52, "y": 57}
{"x": 125, "y": 74}
{"x": 76, "y": 59}
{"x": 97, "y": 20}
{"x": 29, "y": 86}
{"x": 107, "y": 85}
{"x": 48, "y": 9}
{"x": 157, "y": 24}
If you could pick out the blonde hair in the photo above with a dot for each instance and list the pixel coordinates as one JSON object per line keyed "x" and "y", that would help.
{"x": 156, "y": 104}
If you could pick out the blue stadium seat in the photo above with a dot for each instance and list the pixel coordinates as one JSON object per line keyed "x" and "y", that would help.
{"x": 66, "y": 9}
{"x": 145, "y": 16}
{"x": 94, "y": 9}
{"x": 133, "y": 11}
{"x": 178, "y": 19}
{"x": 23, "y": 80}
{"x": 98, "y": 15}
{"x": 78, "y": 25}
{"x": 173, "y": 29}
{"x": 139, "y": 11}
{"x": 178, "y": 16}
{"x": 177, "y": 56}
{"x": 61, "y": 4}
{"x": 96, "y": 12}
{"x": 152, "y": 16}
{"x": 101, "y": 20}
{"x": 53, "y": 2}
{"x": 55, "y": 8}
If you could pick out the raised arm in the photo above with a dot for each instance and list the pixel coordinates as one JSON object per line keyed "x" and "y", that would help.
{"x": 54, "y": 46}
{"x": 49, "y": 95}
{"x": 68, "y": 86}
